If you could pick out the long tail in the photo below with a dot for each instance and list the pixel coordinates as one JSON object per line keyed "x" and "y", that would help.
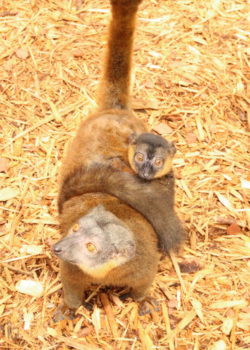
{"x": 148, "y": 199}
{"x": 115, "y": 84}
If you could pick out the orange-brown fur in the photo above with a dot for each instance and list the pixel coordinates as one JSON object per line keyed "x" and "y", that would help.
{"x": 100, "y": 138}
{"x": 115, "y": 85}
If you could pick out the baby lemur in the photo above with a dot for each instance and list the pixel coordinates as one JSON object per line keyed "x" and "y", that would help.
{"x": 150, "y": 156}
{"x": 96, "y": 172}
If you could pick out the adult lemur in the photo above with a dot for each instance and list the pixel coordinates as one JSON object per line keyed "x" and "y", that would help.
{"x": 112, "y": 243}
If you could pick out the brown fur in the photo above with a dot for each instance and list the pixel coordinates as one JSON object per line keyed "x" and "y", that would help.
{"x": 115, "y": 84}
{"x": 101, "y": 138}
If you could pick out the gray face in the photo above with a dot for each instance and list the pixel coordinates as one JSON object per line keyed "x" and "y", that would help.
{"x": 151, "y": 154}
{"x": 148, "y": 161}
{"x": 96, "y": 239}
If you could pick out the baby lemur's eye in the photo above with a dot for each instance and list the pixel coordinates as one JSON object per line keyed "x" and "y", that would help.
{"x": 75, "y": 228}
{"x": 139, "y": 157}
{"x": 91, "y": 247}
{"x": 158, "y": 162}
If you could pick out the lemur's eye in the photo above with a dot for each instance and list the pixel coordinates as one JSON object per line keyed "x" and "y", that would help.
{"x": 75, "y": 227}
{"x": 158, "y": 162}
{"x": 139, "y": 157}
{"x": 91, "y": 247}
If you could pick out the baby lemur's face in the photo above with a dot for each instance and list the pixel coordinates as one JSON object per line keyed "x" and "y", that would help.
{"x": 97, "y": 243}
{"x": 151, "y": 156}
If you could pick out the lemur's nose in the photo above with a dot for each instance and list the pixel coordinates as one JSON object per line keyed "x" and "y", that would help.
{"x": 57, "y": 249}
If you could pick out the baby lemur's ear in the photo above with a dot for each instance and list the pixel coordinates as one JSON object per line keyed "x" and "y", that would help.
{"x": 132, "y": 138}
{"x": 172, "y": 148}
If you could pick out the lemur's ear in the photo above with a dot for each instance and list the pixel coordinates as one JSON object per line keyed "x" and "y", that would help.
{"x": 172, "y": 148}
{"x": 132, "y": 138}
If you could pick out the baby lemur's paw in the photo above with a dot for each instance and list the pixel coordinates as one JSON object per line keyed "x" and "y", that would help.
{"x": 88, "y": 306}
{"x": 125, "y": 296}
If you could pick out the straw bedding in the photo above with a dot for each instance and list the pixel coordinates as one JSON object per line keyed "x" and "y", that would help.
{"x": 191, "y": 84}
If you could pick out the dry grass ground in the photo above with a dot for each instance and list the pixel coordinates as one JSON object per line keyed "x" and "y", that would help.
{"x": 190, "y": 75}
